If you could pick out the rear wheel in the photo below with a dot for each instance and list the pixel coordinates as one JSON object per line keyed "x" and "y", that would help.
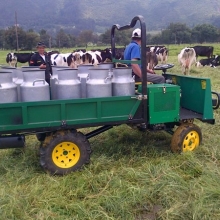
{"x": 64, "y": 152}
{"x": 187, "y": 137}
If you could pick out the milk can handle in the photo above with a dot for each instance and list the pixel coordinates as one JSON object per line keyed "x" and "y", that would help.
{"x": 55, "y": 79}
{"x": 108, "y": 77}
{"x": 133, "y": 77}
{"x": 39, "y": 80}
{"x": 79, "y": 78}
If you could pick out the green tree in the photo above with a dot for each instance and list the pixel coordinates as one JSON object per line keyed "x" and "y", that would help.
{"x": 85, "y": 37}
{"x": 72, "y": 40}
{"x": 10, "y": 38}
{"x": 205, "y": 33}
{"x": 45, "y": 37}
{"x": 63, "y": 39}
{"x": 2, "y": 39}
{"x": 121, "y": 37}
{"x": 178, "y": 33}
{"x": 106, "y": 37}
{"x": 31, "y": 40}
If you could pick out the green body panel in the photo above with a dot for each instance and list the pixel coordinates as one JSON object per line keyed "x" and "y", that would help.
{"x": 163, "y": 103}
{"x": 45, "y": 114}
{"x": 195, "y": 94}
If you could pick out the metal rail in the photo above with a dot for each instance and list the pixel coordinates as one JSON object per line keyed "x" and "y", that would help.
{"x": 133, "y": 22}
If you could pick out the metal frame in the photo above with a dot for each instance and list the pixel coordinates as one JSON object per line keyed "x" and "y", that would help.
{"x": 143, "y": 56}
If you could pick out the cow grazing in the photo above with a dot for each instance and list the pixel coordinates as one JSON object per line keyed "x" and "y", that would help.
{"x": 204, "y": 62}
{"x": 216, "y": 61}
{"x": 151, "y": 60}
{"x": 205, "y": 51}
{"x": 212, "y": 62}
{"x": 13, "y": 58}
{"x": 186, "y": 58}
{"x": 161, "y": 52}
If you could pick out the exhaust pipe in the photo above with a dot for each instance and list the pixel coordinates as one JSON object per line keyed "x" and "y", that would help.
{"x": 12, "y": 141}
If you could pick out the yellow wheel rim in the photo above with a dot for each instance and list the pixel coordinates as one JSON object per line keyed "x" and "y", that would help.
{"x": 191, "y": 141}
{"x": 66, "y": 155}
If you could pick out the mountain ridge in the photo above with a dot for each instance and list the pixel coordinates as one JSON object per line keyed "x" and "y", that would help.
{"x": 98, "y": 16}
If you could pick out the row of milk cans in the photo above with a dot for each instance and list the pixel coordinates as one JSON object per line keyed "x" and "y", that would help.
{"x": 28, "y": 84}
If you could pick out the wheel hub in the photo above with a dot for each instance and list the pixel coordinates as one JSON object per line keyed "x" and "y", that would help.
{"x": 191, "y": 141}
{"x": 65, "y": 154}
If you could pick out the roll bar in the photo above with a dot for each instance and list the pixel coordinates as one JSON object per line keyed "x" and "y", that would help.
{"x": 133, "y": 22}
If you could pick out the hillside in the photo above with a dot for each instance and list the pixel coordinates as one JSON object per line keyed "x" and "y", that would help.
{"x": 99, "y": 15}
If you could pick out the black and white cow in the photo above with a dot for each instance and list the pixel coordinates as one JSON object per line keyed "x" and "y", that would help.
{"x": 60, "y": 59}
{"x": 13, "y": 58}
{"x": 161, "y": 51}
{"x": 212, "y": 62}
{"x": 204, "y": 51}
{"x": 216, "y": 61}
{"x": 75, "y": 59}
{"x": 92, "y": 57}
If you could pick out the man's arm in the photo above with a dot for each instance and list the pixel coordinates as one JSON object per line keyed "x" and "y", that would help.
{"x": 136, "y": 69}
{"x": 150, "y": 71}
{"x": 33, "y": 60}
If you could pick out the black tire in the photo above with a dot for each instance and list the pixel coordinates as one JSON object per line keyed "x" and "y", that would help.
{"x": 187, "y": 137}
{"x": 64, "y": 152}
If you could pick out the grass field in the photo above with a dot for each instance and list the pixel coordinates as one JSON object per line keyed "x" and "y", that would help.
{"x": 132, "y": 175}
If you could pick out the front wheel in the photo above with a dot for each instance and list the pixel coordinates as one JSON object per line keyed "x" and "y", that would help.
{"x": 187, "y": 137}
{"x": 64, "y": 152}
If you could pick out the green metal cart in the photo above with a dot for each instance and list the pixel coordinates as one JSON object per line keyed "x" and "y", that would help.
{"x": 63, "y": 149}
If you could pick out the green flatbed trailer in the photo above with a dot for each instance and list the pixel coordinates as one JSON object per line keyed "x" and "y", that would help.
{"x": 156, "y": 107}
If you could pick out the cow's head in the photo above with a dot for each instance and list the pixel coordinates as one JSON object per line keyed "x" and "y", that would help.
{"x": 11, "y": 58}
{"x": 87, "y": 58}
{"x": 78, "y": 58}
{"x": 106, "y": 55}
{"x": 74, "y": 59}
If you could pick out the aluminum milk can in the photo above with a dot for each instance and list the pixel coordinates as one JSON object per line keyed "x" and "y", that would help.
{"x": 20, "y": 79}
{"x": 13, "y": 70}
{"x": 108, "y": 66}
{"x": 55, "y": 71}
{"x": 83, "y": 72}
{"x": 123, "y": 84}
{"x": 34, "y": 86}
{"x": 8, "y": 89}
{"x": 68, "y": 85}
{"x": 53, "y": 80}
{"x": 98, "y": 83}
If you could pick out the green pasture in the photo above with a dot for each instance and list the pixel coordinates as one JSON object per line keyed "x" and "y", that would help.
{"x": 132, "y": 175}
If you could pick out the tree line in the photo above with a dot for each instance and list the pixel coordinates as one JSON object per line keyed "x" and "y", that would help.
{"x": 175, "y": 33}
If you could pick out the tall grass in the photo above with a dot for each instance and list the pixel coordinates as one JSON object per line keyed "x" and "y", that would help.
{"x": 132, "y": 175}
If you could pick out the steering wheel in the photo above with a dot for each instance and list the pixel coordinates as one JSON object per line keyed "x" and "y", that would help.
{"x": 163, "y": 67}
